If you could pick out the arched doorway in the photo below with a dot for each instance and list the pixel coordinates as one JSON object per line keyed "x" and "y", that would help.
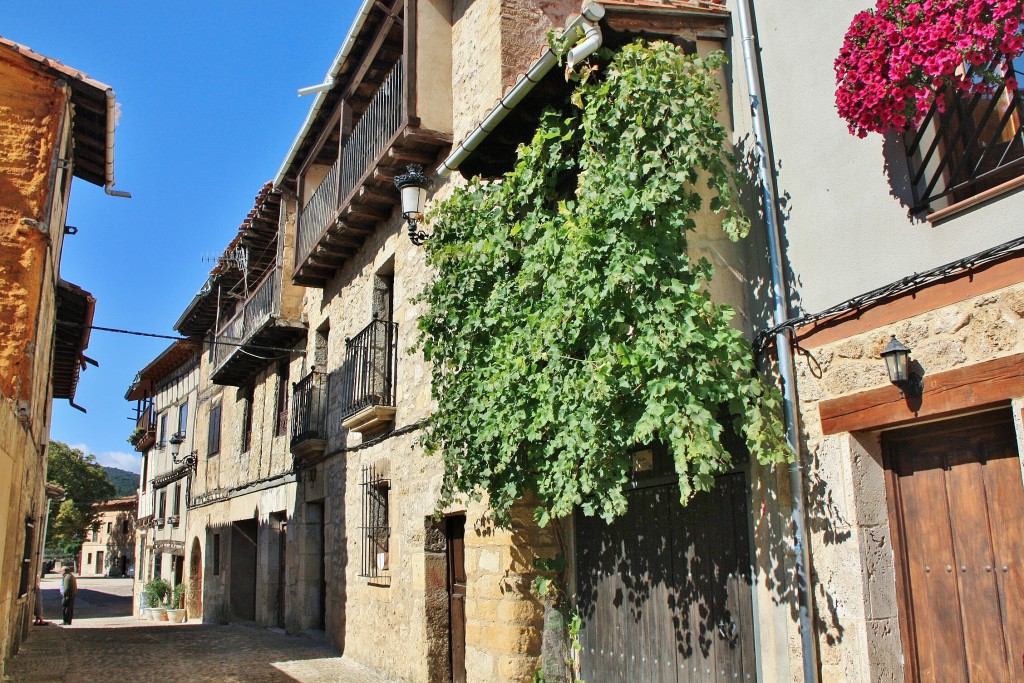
{"x": 194, "y": 595}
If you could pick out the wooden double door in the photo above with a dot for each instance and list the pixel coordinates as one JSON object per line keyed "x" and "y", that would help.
{"x": 956, "y": 511}
{"x": 665, "y": 591}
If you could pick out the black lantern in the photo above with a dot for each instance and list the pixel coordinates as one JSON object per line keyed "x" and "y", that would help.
{"x": 897, "y": 361}
{"x": 413, "y": 184}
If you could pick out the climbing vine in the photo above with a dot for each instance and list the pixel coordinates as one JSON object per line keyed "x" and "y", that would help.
{"x": 567, "y": 323}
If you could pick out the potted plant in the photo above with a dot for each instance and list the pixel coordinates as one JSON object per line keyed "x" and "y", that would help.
{"x": 156, "y": 592}
{"x": 176, "y": 608}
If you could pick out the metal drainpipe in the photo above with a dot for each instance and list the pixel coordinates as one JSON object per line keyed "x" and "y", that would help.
{"x": 783, "y": 347}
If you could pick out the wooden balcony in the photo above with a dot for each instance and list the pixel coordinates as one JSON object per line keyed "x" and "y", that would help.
{"x": 146, "y": 438}
{"x": 243, "y": 346}
{"x": 357, "y": 193}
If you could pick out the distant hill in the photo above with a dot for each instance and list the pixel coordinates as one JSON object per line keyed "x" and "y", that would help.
{"x": 125, "y": 483}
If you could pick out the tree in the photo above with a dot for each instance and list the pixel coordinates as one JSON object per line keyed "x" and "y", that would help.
{"x": 85, "y": 483}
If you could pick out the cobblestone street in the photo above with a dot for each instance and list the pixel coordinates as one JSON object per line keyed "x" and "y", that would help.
{"x": 105, "y": 642}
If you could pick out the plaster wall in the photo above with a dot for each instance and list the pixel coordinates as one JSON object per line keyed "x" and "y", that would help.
{"x": 851, "y": 540}
{"x": 846, "y": 222}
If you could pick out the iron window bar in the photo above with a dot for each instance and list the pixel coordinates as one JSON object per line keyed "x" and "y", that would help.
{"x": 958, "y": 152}
{"x": 375, "y": 531}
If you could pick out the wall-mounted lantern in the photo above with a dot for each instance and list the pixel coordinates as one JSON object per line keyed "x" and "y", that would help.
{"x": 189, "y": 460}
{"x": 413, "y": 184}
{"x": 897, "y": 361}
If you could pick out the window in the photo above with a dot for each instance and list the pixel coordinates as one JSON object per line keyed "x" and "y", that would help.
{"x": 124, "y": 526}
{"x": 110, "y": 528}
{"x": 88, "y": 558}
{"x": 95, "y": 534}
{"x": 216, "y": 554}
{"x": 183, "y": 419}
{"x": 163, "y": 505}
{"x": 376, "y": 533}
{"x": 145, "y": 463}
{"x": 176, "y": 502}
{"x": 281, "y": 423}
{"x": 247, "y": 407}
{"x": 161, "y": 440}
{"x": 158, "y": 565}
{"x": 213, "y": 440}
{"x": 26, "y": 559}
{"x": 976, "y": 144}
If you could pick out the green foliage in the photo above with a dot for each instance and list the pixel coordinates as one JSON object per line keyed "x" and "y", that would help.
{"x": 178, "y": 596}
{"x": 84, "y": 483}
{"x": 567, "y": 323}
{"x": 156, "y": 591}
{"x": 125, "y": 483}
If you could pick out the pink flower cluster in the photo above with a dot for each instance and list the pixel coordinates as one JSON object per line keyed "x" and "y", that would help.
{"x": 903, "y": 56}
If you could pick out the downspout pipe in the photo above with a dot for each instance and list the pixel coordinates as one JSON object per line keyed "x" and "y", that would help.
{"x": 585, "y": 24}
{"x": 783, "y": 343}
{"x": 108, "y": 152}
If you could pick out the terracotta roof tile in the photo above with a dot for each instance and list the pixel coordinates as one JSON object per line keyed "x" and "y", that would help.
{"x": 712, "y": 6}
{"x": 53, "y": 64}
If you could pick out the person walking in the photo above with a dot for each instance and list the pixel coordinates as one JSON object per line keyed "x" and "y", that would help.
{"x": 68, "y": 592}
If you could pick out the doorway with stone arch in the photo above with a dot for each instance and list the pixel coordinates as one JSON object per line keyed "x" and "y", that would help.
{"x": 194, "y": 593}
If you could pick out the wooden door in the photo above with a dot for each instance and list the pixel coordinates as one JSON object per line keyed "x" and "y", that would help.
{"x": 665, "y": 591}
{"x": 956, "y": 505}
{"x": 455, "y": 529}
{"x": 99, "y": 562}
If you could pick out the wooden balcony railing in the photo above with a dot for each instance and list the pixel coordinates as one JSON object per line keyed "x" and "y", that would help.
{"x": 309, "y": 413}
{"x": 369, "y": 140}
{"x": 145, "y": 430}
{"x": 368, "y": 378}
{"x": 256, "y": 311}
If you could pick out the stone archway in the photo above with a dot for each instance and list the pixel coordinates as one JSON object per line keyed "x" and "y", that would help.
{"x": 194, "y": 594}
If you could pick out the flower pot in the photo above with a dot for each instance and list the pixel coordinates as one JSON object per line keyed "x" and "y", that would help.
{"x": 158, "y": 613}
{"x": 176, "y": 616}
{"x": 144, "y": 613}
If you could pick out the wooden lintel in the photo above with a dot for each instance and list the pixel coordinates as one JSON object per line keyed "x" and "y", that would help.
{"x": 368, "y": 193}
{"x": 945, "y": 393}
{"x": 409, "y": 155}
{"x": 426, "y": 136}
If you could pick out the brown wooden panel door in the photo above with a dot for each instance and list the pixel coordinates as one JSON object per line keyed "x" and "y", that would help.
{"x": 956, "y": 520}
{"x": 665, "y": 591}
{"x": 456, "y": 533}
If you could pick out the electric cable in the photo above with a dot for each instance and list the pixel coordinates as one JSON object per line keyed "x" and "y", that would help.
{"x": 154, "y": 335}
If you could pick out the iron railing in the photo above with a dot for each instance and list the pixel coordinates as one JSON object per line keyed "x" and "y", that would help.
{"x": 309, "y": 408}
{"x": 378, "y": 124}
{"x": 256, "y": 310}
{"x": 975, "y": 144}
{"x": 318, "y": 211}
{"x": 368, "y": 378}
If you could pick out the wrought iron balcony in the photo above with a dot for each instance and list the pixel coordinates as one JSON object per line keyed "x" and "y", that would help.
{"x": 309, "y": 416}
{"x": 368, "y": 377}
{"x": 975, "y": 144}
{"x": 357, "y": 191}
{"x": 240, "y": 345}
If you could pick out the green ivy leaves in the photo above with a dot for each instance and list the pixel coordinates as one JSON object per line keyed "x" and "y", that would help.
{"x": 567, "y": 324}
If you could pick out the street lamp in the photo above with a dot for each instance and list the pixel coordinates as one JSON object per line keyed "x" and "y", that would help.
{"x": 897, "y": 362}
{"x": 413, "y": 186}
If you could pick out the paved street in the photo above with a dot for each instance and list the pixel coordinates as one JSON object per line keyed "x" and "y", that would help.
{"x": 106, "y": 642}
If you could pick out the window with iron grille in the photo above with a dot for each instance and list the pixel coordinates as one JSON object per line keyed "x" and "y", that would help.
{"x": 281, "y": 424}
{"x": 976, "y": 144}
{"x": 376, "y": 533}
{"x": 247, "y": 407}
{"x": 213, "y": 440}
{"x": 26, "y": 559}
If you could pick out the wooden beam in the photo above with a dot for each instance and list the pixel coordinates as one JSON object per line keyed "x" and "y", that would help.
{"x": 408, "y": 155}
{"x": 945, "y": 393}
{"x": 371, "y": 53}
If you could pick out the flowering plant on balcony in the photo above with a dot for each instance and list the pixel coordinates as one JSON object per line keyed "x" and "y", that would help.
{"x": 903, "y": 56}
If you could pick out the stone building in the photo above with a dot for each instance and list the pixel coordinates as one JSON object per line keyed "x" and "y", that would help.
{"x": 55, "y": 123}
{"x": 246, "y": 546}
{"x": 109, "y": 547}
{"x": 914, "y": 491}
{"x": 166, "y": 393}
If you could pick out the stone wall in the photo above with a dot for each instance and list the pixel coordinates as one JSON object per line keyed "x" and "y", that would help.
{"x": 851, "y": 542}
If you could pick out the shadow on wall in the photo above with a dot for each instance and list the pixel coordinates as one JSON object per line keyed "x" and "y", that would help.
{"x": 120, "y": 546}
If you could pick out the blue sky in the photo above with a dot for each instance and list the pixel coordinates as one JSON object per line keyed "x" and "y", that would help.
{"x": 208, "y": 111}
